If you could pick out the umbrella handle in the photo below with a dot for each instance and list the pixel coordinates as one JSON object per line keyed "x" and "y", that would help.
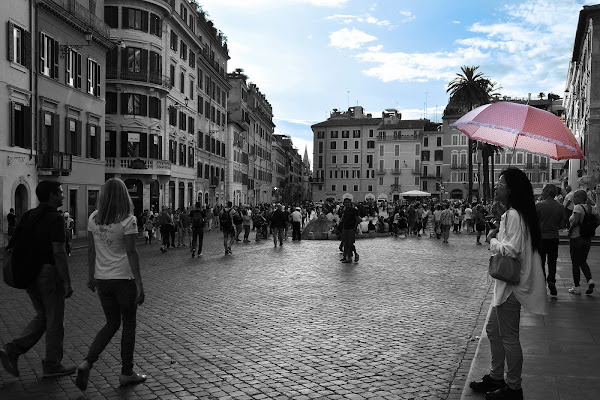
{"x": 514, "y": 147}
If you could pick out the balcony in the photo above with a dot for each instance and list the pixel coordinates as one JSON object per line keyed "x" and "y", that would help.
{"x": 318, "y": 181}
{"x": 396, "y": 171}
{"x": 54, "y": 163}
{"x": 148, "y": 77}
{"x": 131, "y": 165}
{"x": 395, "y": 187}
{"x": 381, "y": 172}
{"x": 543, "y": 165}
{"x": 528, "y": 165}
{"x": 77, "y": 14}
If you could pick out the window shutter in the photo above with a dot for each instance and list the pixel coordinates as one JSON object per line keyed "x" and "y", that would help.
{"x": 12, "y": 138}
{"x": 27, "y": 127}
{"x": 125, "y": 22}
{"x": 98, "y": 154}
{"x": 113, "y": 143}
{"x": 98, "y": 80}
{"x": 11, "y": 41}
{"x": 160, "y": 149}
{"x": 143, "y": 145}
{"x": 124, "y": 55}
{"x": 68, "y": 135}
{"x": 27, "y": 47}
{"x": 55, "y": 132}
{"x": 78, "y": 73}
{"x": 42, "y": 44}
{"x": 78, "y": 138}
{"x": 144, "y": 105}
{"x": 144, "y": 61}
{"x": 124, "y": 141}
{"x": 55, "y": 58}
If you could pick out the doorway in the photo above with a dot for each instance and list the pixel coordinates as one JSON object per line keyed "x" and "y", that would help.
{"x": 21, "y": 201}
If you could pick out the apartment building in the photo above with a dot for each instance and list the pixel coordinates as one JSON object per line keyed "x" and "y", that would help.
{"x": 54, "y": 91}
{"x": 287, "y": 171}
{"x": 166, "y": 103}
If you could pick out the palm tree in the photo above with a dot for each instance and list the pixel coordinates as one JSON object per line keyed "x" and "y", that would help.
{"x": 468, "y": 90}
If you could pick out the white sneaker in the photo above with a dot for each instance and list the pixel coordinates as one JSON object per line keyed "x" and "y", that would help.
{"x": 575, "y": 290}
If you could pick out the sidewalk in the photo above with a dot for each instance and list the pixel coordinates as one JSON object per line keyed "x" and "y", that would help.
{"x": 561, "y": 350}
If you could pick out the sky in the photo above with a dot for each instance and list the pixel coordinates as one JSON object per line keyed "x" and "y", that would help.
{"x": 309, "y": 57}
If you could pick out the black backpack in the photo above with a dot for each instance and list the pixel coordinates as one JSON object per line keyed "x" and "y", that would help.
{"x": 197, "y": 220}
{"x": 225, "y": 219}
{"x": 588, "y": 225}
{"x": 21, "y": 264}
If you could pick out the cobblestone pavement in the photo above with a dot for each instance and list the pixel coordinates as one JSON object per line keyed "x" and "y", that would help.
{"x": 289, "y": 322}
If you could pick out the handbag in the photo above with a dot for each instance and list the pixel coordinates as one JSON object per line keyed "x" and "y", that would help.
{"x": 505, "y": 268}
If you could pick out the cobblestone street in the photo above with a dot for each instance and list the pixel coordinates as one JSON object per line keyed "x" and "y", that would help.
{"x": 289, "y": 322}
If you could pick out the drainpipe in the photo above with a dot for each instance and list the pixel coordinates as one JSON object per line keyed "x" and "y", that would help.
{"x": 34, "y": 62}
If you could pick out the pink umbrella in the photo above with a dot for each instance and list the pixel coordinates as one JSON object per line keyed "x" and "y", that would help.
{"x": 520, "y": 126}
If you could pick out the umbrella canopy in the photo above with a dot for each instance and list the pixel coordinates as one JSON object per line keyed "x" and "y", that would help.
{"x": 520, "y": 126}
{"x": 415, "y": 193}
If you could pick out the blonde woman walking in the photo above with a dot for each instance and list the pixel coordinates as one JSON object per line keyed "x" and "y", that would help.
{"x": 114, "y": 269}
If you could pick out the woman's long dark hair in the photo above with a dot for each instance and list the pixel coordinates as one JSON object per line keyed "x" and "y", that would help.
{"x": 521, "y": 199}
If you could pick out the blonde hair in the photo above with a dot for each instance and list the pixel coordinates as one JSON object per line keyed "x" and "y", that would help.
{"x": 114, "y": 203}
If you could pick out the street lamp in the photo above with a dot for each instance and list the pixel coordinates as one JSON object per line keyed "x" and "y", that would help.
{"x": 65, "y": 48}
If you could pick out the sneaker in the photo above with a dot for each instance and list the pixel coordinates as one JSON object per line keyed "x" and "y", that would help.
{"x": 552, "y": 287}
{"x": 59, "y": 370}
{"x": 575, "y": 290}
{"x": 131, "y": 379}
{"x": 590, "y": 287}
{"x": 9, "y": 362}
{"x": 193, "y": 253}
{"x": 281, "y": 243}
{"x": 347, "y": 261}
{"x": 83, "y": 376}
{"x": 356, "y": 257}
{"x": 487, "y": 384}
{"x": 505, "y": 393}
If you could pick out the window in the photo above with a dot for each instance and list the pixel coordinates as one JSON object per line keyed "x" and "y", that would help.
{"x": 182, "y": 82}
{"x": 519, "y": 158}
{"x": 155, "y": 67}
{"x": 93, "y": 77}
{"x": 381, "y": 180}
{"x": 344, "y": 188}
{"x": 439, "y": 141}
{"x": 19, "y": 45}
{"x": 20, "y": 125}
{"x": 334, "y": 134}
{"x": 182, "y": 121}
{"x": 370, "y": 144}
{"x": 172, "y": 151}
{"x": 425, "y": 142}
{"x": 396, "y": 150}
{"x": 174, "y": 41}
{"x": 93, "y": 141}
{"x": 182, "y": 154}
{"x": 334, "y": 159}
{"x": 463, "y": 140}
{"x": 356, "y": 159}
{"x": 172, "y": 116}
{"x": 134, "y": 60}
{"x": 190, "y": 156}
{"x": 454, "y": 140}
{"x": 345, "y": 134}
{"x": 191, "y": 128}
{"x": 154, "y": 107}
{"x": 191, "y": 89}
{"x": 183, "y": 12}
{"x": 172, "y": 75}
{"x": 134, "y": 104}
{"x": 381, "y": 150}
{"x": 135, "y": 19}
{"x": 183, "y": 53}
{"x": 356, "y": 133}
{"x": 417, "y": 149}
{"x": 111, "y": 16}
{"x": 200, "y": 105}
{"x": 356, "y": 144}
{"x": 439, "y": 155}
{"x": 333, "y": 187}
{"x": 48, "y": 56}
{"x": 425, "y": 155}
{"x": 370, "y": 132}
{"x": 345, "y": 145}
{"x": 110, "y": 144}
{"x": 332, "y": 145}
{"x": 320, "y": 147}
{"x": 155, "y": 25}
{"x": 73, "y": 65}
{"x": 417, "y": 181}
{"x": 110, "y": 107}
{"x": 192, "y": 59}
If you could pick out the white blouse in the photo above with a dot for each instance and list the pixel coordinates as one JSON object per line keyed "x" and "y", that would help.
{"x": 513, "y": 239}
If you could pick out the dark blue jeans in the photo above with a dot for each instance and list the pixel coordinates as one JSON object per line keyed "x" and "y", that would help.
{"x": 117, "y": 297}
{"x": 47, "y": 296}
{"x": 549, "y": 248}
{"x": 580, "y": 248}
{"x": 197, "y": 236}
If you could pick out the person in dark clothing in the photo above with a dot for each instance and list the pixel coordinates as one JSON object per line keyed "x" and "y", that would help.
{"x": 197, "y": 218}
{"x": 278, "y": 224}
{"x": 11, "y": 218}
{"x": 552, "y": 217}
{"x": 350, "y": 219}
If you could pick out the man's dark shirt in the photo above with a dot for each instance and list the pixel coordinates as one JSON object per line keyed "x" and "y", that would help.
{"x": 190, "y": 218}
{"x": 552, "y": 217}
{"x": 278, "y": 219}
{"x": 349, "y": 218}
{"x": 12, "y": 219}
{"x": 50, "y": 228}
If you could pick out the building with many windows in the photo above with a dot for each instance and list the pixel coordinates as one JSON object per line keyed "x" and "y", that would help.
{"x": 166, "y": 103}
{"x": 54, "y": 90}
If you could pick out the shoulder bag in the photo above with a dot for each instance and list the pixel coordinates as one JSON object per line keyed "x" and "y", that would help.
{"x": 505, "y": 268}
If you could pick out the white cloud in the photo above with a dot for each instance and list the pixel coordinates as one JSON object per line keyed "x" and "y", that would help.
{"x": 455, "y": 22}
{"x": 368, "y": 19}
{"x": 349, "y": 39}
{"x": 409, "y": 16}
{"x": 255, "y": 4}
{"x": 375, "y": 49}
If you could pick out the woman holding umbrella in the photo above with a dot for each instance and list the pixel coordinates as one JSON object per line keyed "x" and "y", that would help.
{"x": 518, "y": 236}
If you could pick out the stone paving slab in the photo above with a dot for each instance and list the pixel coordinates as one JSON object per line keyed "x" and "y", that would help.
{"x": 287, "y": 322}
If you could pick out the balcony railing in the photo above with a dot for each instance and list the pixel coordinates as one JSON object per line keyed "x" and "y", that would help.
{"x": 543, "y": 165}
{"x": 395, "y": 187}
{"x": 528, "y": 165}
{"x": 458, "y": 166}
{"x": 148, "y": 163}
{"x": 55, "y": 162}
{"x": 396, "y": 171}
{"x": 381, "y": 172}
{"x": 78, "y": 11}
{"x": 149, "y": 77}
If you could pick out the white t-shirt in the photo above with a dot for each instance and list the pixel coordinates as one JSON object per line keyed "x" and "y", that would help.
{"x": 111, "y": 254}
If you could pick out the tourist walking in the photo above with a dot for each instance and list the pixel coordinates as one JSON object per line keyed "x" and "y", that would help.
{"x": 197, "y": 222}
{"x": 227, "y": 227}
{"x": 580, "y": 242}
{"x": 247, "y": 222}
{"x": 350, "y": 219}
{"x": 45, "y": 230}
{"x": 11, "y": 219}
{"x": 518, "y": 236}
{"x": 551, "y": 215}
{"x": 446, "y": 219}
{"x": 165, "y": 222}
{"x": 296, "y": 217}
{"x": 278, "y": 224}
{"x": 114, "y": 269}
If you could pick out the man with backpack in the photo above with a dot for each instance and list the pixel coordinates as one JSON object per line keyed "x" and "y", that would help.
{"x": 583, "y": 224}
{"x": 197, "y": 218}
{"x": 226, "y": 222}
{"x": 38, "y": 249}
